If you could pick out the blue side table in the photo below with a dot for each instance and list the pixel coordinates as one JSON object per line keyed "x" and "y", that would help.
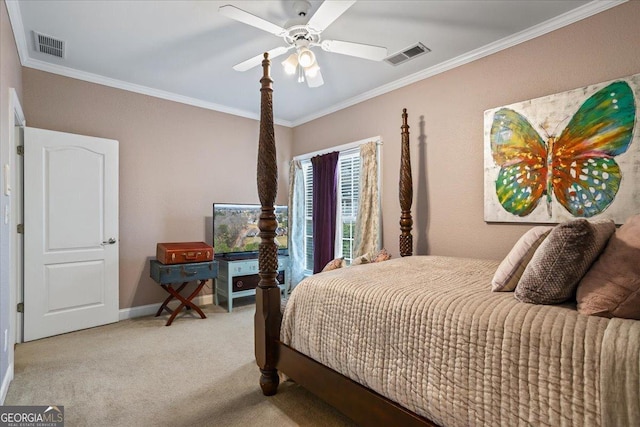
{"x": 170, "y": 275}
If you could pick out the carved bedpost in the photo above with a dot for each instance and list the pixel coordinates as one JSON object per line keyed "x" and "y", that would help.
{"x": 406, "y": 191}
{"x": 268, "y": 317}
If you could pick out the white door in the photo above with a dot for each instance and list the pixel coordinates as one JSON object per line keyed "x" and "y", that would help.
{"x": 70, "y": 232}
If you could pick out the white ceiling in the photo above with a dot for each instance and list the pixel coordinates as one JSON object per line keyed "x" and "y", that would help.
{"x": 184, "y": 50}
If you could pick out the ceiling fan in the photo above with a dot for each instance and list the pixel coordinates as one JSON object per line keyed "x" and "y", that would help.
{"x": 303, "y": 36}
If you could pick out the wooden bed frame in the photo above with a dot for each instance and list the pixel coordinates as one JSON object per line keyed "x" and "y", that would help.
{"x": 361, "y": 404}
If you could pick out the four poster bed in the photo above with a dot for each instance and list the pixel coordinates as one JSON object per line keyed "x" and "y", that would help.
{"x": 421, "y": 340}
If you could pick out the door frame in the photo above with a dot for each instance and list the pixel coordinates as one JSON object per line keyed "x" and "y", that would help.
{"x": 16, "y": 118}
{"x": 16, "y": 200}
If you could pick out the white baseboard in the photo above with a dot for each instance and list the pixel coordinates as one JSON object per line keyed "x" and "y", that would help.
{"x": 5, "y": 383}
{"x": 151, "y": 309}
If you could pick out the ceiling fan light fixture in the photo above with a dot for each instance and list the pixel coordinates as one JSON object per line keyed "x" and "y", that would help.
{"x": 290, "y": 64}
{"x": 306, "y": 58}
{"x": 312, "y": 70}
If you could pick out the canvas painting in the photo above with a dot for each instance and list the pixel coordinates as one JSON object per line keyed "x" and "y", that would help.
{"x": 570, "y": 155}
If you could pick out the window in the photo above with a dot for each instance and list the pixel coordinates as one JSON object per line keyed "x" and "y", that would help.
{"x": 307, "y": 170}
{"x": 348, "y": 192}
{"x": 348, "y": 183}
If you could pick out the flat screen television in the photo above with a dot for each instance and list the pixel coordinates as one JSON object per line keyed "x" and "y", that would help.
{"x": 235, "y": 230}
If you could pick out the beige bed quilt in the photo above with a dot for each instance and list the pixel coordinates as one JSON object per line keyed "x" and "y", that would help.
{"x": 428, "y": 333}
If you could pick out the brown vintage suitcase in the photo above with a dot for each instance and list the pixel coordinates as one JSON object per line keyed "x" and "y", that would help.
{"x": 183, "y": 252}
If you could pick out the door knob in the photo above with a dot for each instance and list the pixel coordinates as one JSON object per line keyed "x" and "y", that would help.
{"x": 111, "y": 241}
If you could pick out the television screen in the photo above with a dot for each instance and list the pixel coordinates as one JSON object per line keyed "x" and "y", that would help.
{"x": 235, "y": 229}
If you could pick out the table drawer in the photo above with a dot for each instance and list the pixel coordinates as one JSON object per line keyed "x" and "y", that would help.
{"x": 250, "y": 266}
{"x": 163, "y": 273}
{"x": 243, "y": 283}
{"x": 241, "y": 268}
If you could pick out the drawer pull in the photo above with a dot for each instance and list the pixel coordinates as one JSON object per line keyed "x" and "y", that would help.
{"x": 239, "y": 284}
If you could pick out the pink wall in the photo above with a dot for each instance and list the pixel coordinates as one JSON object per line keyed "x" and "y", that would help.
{"x": 175, "y": 161}
{"x": 446, "y": 125}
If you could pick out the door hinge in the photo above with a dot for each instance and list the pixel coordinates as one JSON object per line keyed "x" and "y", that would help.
{"x": 20, "y": 150}
{"x": 20, "y": 228}
{"x": 20, "y": 307}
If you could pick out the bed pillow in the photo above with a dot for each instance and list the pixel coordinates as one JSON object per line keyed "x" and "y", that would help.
{"x": 511, "y": 268}
{"x": 383, "y": 255}
{"x": 362, "y": 259}
{"x": 552, "y": 275}
{"x": 611, "y": 288}
{"x": 335, "y": 264}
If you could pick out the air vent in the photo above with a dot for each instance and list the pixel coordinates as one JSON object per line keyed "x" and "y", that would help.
{"x": 407, "y": 54}
{"x": 49, "y": 45}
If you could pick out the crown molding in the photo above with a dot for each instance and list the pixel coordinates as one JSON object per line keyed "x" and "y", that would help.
{"x": 553, "y": 24}
{"x": 15, "y": 17}
{"x": 589, "y": 9}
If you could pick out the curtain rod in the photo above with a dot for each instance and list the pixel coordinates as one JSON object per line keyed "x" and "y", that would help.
{"x": 343, "y": 147}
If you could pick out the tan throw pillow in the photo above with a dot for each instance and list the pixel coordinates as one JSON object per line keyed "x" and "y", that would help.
{"x": 511, "y": 268}
{"x": 561, "y": 260}
{"x": 363, "y": 259}
{"x": 383, "y": 255}
{"x": 335, "y": 264}
{"x": 611, "y": 288}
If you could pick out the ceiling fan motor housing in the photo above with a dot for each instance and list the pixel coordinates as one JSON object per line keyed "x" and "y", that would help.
{"x": 299, "y": 35}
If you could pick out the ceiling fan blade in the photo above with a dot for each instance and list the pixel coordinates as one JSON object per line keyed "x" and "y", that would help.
{"x": 257, "y": 60}
{"x": 366, "y": 51}
{"x": 249, "y": 19}
{"x": 314, "y": 79}
{"x": 328, "y": 12}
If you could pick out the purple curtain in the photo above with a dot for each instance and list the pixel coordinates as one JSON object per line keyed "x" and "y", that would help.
{"x": 325, "y": 201}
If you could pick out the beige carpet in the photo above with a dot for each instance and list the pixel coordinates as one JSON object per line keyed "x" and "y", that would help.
{"x": 138, "y": 372}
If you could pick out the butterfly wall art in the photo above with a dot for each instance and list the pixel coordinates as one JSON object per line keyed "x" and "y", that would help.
{"x": 570, "y": 155}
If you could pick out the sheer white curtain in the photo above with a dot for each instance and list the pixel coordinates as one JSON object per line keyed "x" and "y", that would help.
{"x": 367, "y": 228}
{"x": 296, "y": 222}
